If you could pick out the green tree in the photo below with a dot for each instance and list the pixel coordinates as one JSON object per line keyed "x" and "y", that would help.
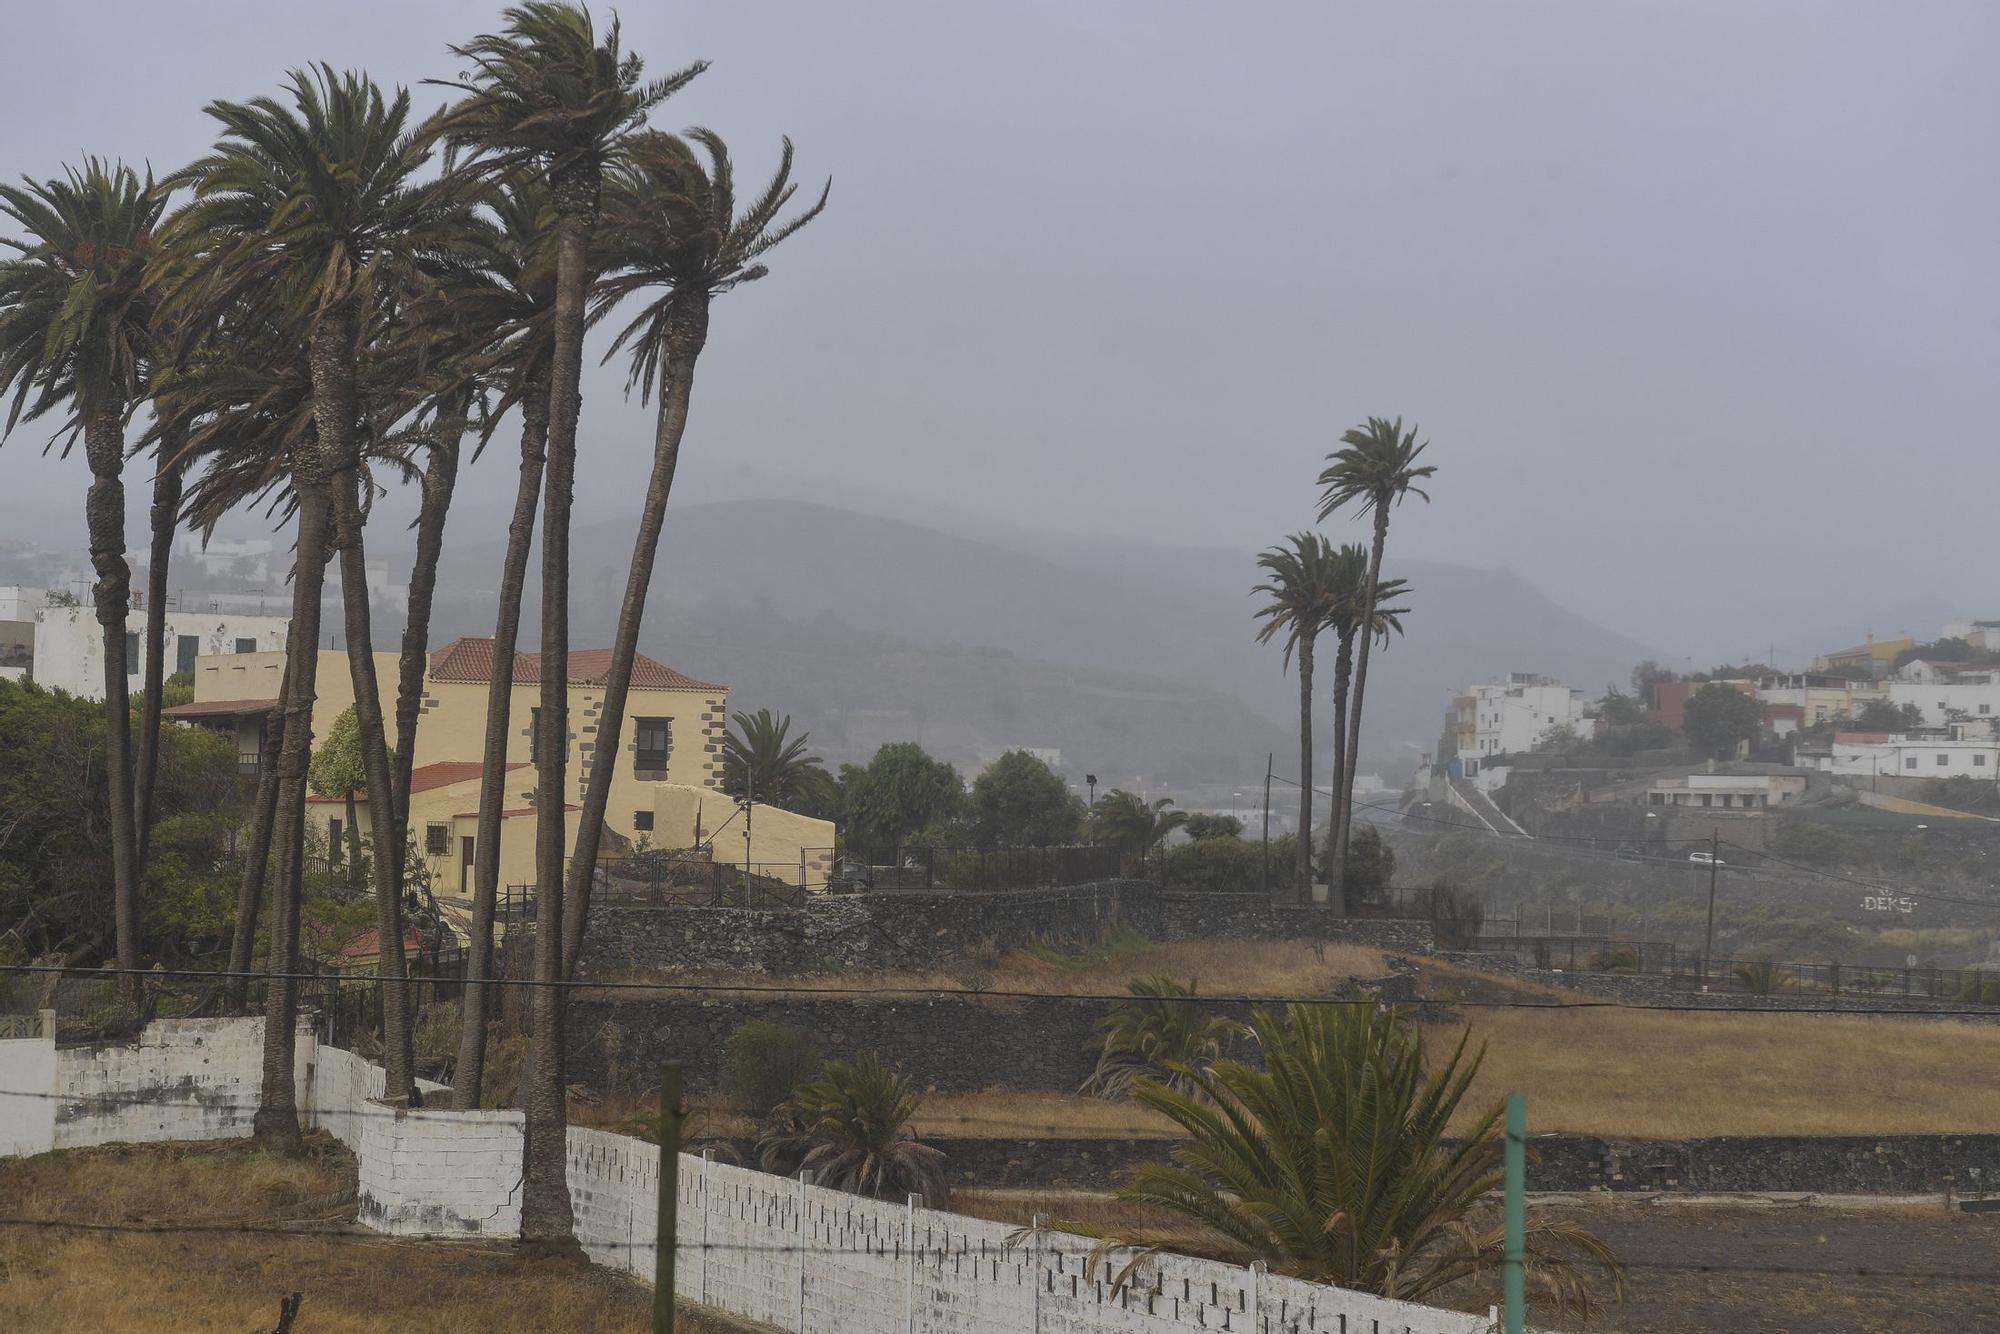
{"x": 899, "y": 795}
{"x": 1300, "y": 586}
{"x": 1128, "y": 822}
{"x": 1162, "y": 1034}
{"x": 1371, "y": 865}
{"x": 1334, "y": 1160}
{"x": 1619, "y": 709}
{"x": 672, "y": 235}
{"x": 337, "y": 771}
{"x": 762, "y": 758}
{"x": 851, "y": 1129}
{"x": 1375, "y": 471}
{"x": 1208, "y": 824}
{"x": 1719, "y": 718}
{"x": 76, "y": 334}
{"x": 1879, "y": 715}
{"x": 547, "y": 95}
{"x": 1018, "y": 801}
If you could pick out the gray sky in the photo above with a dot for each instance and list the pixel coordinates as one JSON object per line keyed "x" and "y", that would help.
{"x": 1696, "y": 300}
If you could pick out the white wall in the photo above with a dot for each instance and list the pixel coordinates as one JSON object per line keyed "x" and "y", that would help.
{"x": 1939, "y": 699}
{"x": 69, "y": 644}
{"x": 769, "y": 1248}
{"x": 27, "y": 1083}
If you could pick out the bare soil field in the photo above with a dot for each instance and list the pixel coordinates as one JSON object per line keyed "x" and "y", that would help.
{"x": 171, "y": 1237}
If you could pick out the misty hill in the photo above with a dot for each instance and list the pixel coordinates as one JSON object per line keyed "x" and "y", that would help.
{"x": 1136, "y": 660}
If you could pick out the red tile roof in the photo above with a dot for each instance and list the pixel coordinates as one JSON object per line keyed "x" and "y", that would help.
{"x": 466, "y": 659}
{"x": 441, "y": 774}
{"x": 220, "y": 708}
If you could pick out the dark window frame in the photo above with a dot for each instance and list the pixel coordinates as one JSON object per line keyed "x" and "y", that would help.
{"x": 652, "y": 758}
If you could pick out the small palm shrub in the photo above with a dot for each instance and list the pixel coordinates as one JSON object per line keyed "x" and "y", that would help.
{"x": 764, "y": 1063}
{"x": 1762, "y": 977}
{"x": 1331, "y": 1163}
{"x": 1161, "y": 1034}
{"x": 1978, "y": 987}
{"x": 851, "y": 1129}
{"x": 1613, "y": 959}
{"x": 1456, "y": 916}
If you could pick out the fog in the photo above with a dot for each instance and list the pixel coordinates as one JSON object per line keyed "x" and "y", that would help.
{"x": 1695, "y": 301}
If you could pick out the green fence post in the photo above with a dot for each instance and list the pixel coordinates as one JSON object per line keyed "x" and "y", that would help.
{"x": 1516, "y": 1208}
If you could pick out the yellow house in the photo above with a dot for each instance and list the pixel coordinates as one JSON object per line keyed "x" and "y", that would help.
{"x": 1871, "y": 655}
{"x": 672, "y": 734}
{"x": 782, "y": 843}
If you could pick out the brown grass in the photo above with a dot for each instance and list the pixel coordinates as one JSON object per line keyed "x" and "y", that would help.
{"x": 1256, "y": 968}
{"x": 1670, "y": 1075}
{"x": 151, "y": 1282}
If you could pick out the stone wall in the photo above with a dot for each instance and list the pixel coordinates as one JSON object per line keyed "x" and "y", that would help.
{"x": 900, "y": 932}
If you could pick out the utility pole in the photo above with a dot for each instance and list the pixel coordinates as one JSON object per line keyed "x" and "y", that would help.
{"x": 669, "y": 1216}
{"x": 1708, "y": 938}
{"x": 1268, "y": 757}
{"x": 749, "y": 800}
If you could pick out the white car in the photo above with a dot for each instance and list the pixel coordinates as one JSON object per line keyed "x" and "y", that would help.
{"x": 1706, "y": 859}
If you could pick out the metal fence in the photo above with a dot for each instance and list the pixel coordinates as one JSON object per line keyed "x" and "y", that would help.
{"x": 927, "y": 870}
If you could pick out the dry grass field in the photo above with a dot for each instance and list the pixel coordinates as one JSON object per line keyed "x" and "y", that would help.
{"x": 245, "y": 1229}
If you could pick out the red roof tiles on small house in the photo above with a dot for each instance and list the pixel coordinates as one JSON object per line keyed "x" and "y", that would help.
{"x": 221, "y": 708}
{"x": 441, "y": 774}
{"x": 466, "y": 660}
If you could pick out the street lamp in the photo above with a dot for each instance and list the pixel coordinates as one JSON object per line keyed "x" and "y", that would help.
{"x": 1090, "y": 781}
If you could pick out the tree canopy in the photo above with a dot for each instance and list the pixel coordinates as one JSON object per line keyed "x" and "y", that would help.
{"x": 1018, "y": 801}
{"x": 900, "y": 796}
{"x": 1719, "y": 718}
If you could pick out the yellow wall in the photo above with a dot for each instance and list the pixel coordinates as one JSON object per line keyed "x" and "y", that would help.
{"x": 777, "y": 837}
{"x": 453, "y": 723}
{"x": 452, "y": 806}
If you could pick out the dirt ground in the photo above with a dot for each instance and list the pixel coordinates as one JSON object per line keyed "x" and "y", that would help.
{"x": 1759, "y": 1269}
{"x": 238, "y": 1229}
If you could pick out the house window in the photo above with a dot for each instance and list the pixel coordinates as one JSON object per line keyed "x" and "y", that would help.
{"x": 131, "y": 652}
{"x": 651, "y": 738}
{"x": 1986, "y": 708}
{"x": 1910, "y": 763}
{"x": 642, "y": 821}
{"x": 1706, "y": 800}
{"x": 246, "y": 646}
{"x": 437, "y": 840}
{"x": 186, "y": 648}
{"x": 1944, "y": 759}
{"x": 1979, "y": 761}
{"x": 1727, "y": 799}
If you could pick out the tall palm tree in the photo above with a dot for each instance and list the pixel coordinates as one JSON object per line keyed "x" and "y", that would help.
{"x": 1132, "y": 824}
{"x": 1328, "y": 1160}
{"x": 168, "y": 478}
{"x": 548, "y": 94}
{"x": 1374, "y": 472}
{"x": 312, "y": 214}
{"x": 519, "y": 305}
{"x": 1300, "y": 583}
{"x": 671, "y": 230}
{"x": 76, "y": 331}
{"x": 1345, "y": 622}
{"x": 761, "y": 759}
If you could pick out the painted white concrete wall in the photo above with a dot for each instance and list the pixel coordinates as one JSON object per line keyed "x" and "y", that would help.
{"x": 769, "y": 1248}
{"x": 1941, "y": 700}
{"x": 69, "y": 644}
{"x": 27, "y": 1088}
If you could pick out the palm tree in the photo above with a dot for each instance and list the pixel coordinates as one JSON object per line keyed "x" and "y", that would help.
{"x": 851, "y": 1129}
{"x": 1344, "y": 620}
{"x": 1162, "y": 1035}
{"x": 168, "y": 478}
{"x": 1374, "y": 472}
{"x": 1128, "y": 822}
{"x": 1334, "y": 1161}
{"x": 76, "y": 331}
{"x": 545, "y": 93}
{"x": 671, "y": 230}
{"x": 1300, "y": 584}
{"x": 310, "y": 214}
{"x": 761, "y": 759}
{"x": 521, "y": 305}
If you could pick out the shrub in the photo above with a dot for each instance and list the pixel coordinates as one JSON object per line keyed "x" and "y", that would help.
{"x": 1456, "y": 916}
{"x": 764, "y": 1063}
{"x": 851, "y": 1129}
{"x": 1761, "y": 977}
{"x": 1613, "y": 959}
{"x": 1162, "y": 1034}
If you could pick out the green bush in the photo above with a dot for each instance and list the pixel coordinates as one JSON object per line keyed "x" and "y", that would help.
{"x": 1456, "y": 916}
{"x": 764, "y": 1063}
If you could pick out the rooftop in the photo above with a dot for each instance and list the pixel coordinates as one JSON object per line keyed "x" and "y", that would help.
{"x": 444, "y": 773}
{"x": 221, "y": 708}
{"x": 468, "y": 659}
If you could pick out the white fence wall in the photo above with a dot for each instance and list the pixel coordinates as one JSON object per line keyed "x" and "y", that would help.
{"x": 775, "y": 1250}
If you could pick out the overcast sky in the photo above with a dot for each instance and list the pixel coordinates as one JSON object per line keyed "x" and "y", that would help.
{"x": 1695, "y": 301}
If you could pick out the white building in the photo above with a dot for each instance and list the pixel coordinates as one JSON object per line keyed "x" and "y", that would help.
{"x": 1729, "y": 792}
{"x": 1948, "y": 755}
{"x": 18, "y": 602}
{"x": 1950, "y": 699}
{"x": 1979, "y": 634}
{"x": 69, "y": 645}
{"x": 1512, "y": 715}
{"x": 221, "y": 557}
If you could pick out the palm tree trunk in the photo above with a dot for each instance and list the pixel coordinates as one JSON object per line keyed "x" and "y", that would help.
{"x": 440, "y": 479}
{"x": 336, "y": 418}
{"x": 469, "y": 1076}
{"x": 1343, "y": 672}
{"x": 256, "y": 861}
{"x": 165, "y": 518}
{"x": 104, "y": 445}
{"x": 546, "y": 1213}
{"x": 1345, "y": 799}
{"x": 277, "y": 1122}
{"x": 687, "y": 334}
{"x": 357, "y": 881}
{"x": 1302, "y": 869}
